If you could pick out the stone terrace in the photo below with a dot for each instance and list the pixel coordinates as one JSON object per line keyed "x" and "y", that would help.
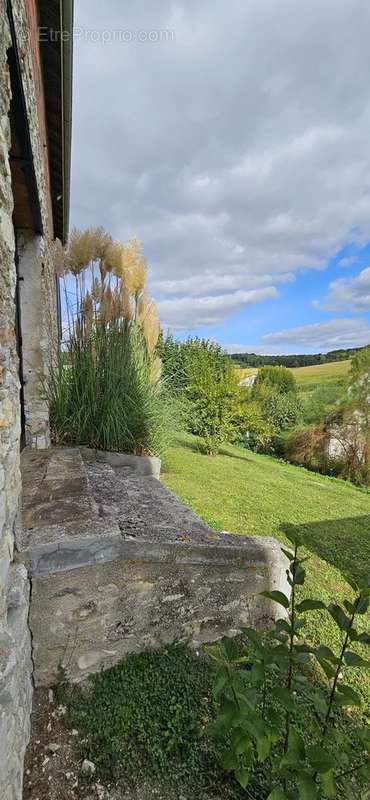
{"x": 117, "y": 563}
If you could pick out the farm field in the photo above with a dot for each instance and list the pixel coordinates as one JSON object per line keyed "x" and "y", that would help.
{"x": 306, "y": 376}
{"x": 250, "y": 494}
{"x": 322, "y": 373}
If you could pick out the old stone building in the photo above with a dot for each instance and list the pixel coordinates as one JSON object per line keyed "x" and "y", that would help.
{"x": 35, "y": 135}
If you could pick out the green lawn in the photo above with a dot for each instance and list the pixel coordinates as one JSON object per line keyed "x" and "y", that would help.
{"x": 242, "y": 492}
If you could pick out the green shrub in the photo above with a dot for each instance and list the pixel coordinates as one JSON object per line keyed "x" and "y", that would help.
{"x": 282, "y": 410}
{"x": 263, "y": 709}
{"x": 279, "y": 379}
{"x": 251, "y": 427}
{"x": 102, "y": 393}
{"x": 203, "y": 377}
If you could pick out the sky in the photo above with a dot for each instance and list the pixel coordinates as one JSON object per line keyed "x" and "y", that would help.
{"x": 233, "y": 139}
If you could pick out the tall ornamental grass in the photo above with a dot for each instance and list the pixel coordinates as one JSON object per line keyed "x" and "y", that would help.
{"x": 105, "y": 389}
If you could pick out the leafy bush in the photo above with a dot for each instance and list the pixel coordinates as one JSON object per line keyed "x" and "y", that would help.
{"x": 262, "y": 693}
{"x": 281, "y": 409}
{"x": 251, "y": 427}
{"x": 202, "y": 375}
{"x": 279, "y": 379}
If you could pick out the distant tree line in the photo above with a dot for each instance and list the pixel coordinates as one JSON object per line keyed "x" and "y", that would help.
{"x": 300, "y": 360}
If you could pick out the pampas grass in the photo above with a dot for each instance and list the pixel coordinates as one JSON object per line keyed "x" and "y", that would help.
{"x": 105, "y": 390}
{"x": 103, "y": 394}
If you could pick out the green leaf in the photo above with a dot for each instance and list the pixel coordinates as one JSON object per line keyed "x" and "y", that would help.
{"x": 352, "y": 582}
{"x": 349, "y": 607}
{"x": 346, "y": 696}
{"x": 247, "y": 697}
{"x": 263, "y": 747}
{"x": 230, "y": 760}
{"x": 309, "y": 605}
{"x": 362, "y": 605}
{"x": 283, "y": 625}
{"x": 339, "y": 616}
{"x": 320, "y": 705}
{"x": 252, "y": 634}
{"x": 307, "y": 788}
{"x": 364, "y": 637}
{"x": 299, "y": 574}
{"x": 326, "y": 666}
{"x": 215, "y": 652}
{"x": 277, "y": 794}
{"x": 243, "y": 744}
{"x": 295, "y": 754}
{"x": 319, "y": 759}
{"x": 354, "y": 660}
{"x": 221, "y": 681}
{"x": 284, "y": 696}
{"x": 328, "y": 784}
{"x": 288, "y": 554}
{"x": 257, "y": 673}
{"x": 364, "y": 736}
{"x": 277, "y": 597}
{"x": 326, "y": 653}
{"x": 242, "y": 776}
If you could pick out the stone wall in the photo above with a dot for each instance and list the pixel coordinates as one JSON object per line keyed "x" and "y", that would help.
{"x": 38, "y": 294}
{"x": 15, "y": 662}
{"x": 117, "y": 563}
{"x": 37, "y": 291}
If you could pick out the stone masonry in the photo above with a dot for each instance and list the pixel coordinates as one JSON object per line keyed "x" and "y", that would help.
{"x": 117, "y": 563}
{"x": 15, "y": 646}
{"x": 15, "y": 661}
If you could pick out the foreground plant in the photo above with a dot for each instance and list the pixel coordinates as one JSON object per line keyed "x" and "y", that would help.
{"x": 263, "y": 692}
{"x": 104, "y": 387}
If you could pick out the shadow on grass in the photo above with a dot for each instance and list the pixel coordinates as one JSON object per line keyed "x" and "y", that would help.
{"x": 196, "y": 445}
{"x": 344, "y": 543}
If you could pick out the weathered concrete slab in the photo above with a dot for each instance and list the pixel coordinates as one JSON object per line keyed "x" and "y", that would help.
{"x": 118, "y": 563}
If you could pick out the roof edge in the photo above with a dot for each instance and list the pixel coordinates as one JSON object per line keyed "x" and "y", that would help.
{"x": 67, "y": 94}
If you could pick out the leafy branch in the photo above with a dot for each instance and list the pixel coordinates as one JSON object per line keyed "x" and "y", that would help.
{"x": 262, "y": 688}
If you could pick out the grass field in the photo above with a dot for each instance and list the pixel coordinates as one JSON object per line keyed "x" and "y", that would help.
{"x": 306, "y": 376}
{"x": 322, "y": 373}
{"x": 242, "y": 492}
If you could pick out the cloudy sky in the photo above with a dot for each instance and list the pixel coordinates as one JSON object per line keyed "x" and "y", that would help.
{"x": 233, "y": 139}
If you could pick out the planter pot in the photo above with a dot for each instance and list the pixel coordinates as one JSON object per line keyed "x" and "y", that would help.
{"x": 142, "y": 465}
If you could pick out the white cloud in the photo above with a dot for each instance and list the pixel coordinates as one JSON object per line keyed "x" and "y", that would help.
{"x": 346, "y": 261}
{"x": 193, "y": 312}
{"x": 349, "y": 294}
{"x": 321, "y": 336}
{"x": 238, "y": 152}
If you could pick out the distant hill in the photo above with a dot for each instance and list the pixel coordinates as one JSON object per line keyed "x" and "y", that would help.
{"x": 299, "y": 360}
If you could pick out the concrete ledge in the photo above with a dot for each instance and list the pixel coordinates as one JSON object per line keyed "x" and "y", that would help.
{"x": 141, "y": 465}
{"x": 133, "y": 568}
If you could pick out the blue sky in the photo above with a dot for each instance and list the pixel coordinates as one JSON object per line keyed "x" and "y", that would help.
{"x": 232, "y": 139}
{"x": 295, "y": 307}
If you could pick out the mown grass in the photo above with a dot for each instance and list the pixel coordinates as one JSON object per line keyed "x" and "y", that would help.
{"x": 255, "y": 495}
